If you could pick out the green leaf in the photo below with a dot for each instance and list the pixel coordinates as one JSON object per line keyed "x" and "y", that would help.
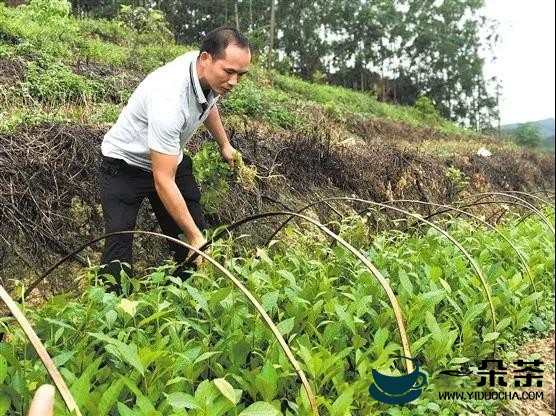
{"x": 434, "y": 272}
{"x": 125, "y": 352}
{"x": 286, "y": 326}
{"x": 263, "y": 256}
{"x": 3, "y": 369}
{"x": 154, "y": 316}
{"x": 110, "y": 397}
{"x": 4, "y": 405}
{"x": 206, "y": 393}
{"x": 342, "y": 404}
{"x": 459, "y": 360}
{"x": 111, "y": 316}
{"x": 538, "y": 324}
{"x": 226, "y": 389}
{"x": 434, "y": 407}
{"x": 199, "y": 298}
{"x": 503, "y": 324}
{"x": 405, "y": 282}
{"x": 143, "y": 402}
{"x": 123, "y": 410}
{"x": 289, "y": 276}
{"x": 445, "y": 285}
{"x": 345, "y": 317}
{"x": 59, "y": 323}
{"x": 260, "y": 409}
{"x": 416, "y": 346}
{"x": 179, "y": 400}
{"x": 473, "y": 311}
{"x": 433, "y": 326}
{"x": 81, "y": 387}
{"x": 269, "y": 301}
{"x": 205, "y": 356}
{"x": 267, "y": 381}
{"x": 491, "y": 336}
{"x": 61, "y": 359}
{"x": 130, "y": 355}
{"x": 380, "y": 338}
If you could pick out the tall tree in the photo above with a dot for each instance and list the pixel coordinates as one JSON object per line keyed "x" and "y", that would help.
{"x": 443, "y": 57}
{"x": 300, "y": 35}
{"x": 399, "y": 49}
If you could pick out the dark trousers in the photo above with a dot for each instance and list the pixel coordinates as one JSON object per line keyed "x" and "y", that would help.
{"x": 122, "y": 190}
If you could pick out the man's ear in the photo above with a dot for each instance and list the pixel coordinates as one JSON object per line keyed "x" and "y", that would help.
{"x": 204, "y": 56}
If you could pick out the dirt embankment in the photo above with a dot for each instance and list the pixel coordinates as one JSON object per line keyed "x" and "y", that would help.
{"x": 50, "y": 201}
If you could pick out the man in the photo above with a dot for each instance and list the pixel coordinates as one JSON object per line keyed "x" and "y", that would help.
{"x": 142, "y": 154}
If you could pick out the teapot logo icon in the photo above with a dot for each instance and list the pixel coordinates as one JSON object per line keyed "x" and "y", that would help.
{"x": 397, "y": 389}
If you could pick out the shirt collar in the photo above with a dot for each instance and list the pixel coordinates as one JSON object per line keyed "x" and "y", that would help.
{"x": 197, "y": 89}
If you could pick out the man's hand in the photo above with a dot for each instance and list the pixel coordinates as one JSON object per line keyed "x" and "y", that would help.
{"x": 228, "y": 152}
{"x": 198, "y": 241}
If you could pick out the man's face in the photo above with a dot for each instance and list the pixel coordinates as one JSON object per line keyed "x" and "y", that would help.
{"x": 223, "y": 74}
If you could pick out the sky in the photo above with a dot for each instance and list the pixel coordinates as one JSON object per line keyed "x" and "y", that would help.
{"x": 525, "y": 63}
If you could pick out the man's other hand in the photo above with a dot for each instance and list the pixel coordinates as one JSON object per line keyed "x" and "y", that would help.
{"x": 197, "y": 242}
{"x": 228, "y": 152}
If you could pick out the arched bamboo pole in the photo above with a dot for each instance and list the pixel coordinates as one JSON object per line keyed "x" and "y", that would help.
{"x": 481, "y": 202}
{"x": 470, "y": 259}
{"x": 475, "y": 217}
{"x": 531, "y": 195}
{"x": 528, "y": 204}
{"x": 41, "y": 351}
{"x": 235, "y": 281}
{"x": 389, "y": 292}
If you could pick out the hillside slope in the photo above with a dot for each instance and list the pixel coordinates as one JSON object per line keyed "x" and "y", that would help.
{"x": 63, "y": 82}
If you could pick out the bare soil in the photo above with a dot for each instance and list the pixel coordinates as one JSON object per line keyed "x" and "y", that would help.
{"x": 11, "y": 70}
{"x": 542, "y": 349}
{"x": 50, "y": 199}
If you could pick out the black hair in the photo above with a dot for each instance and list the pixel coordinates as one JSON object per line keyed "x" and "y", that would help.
{"x": 217, "y": 40}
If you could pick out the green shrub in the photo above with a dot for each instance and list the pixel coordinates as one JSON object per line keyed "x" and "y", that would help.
{"x": 27, "y": 117}
{"x": 105, "y": 53}
{"x": 167, "y": 345}
{"x": 6, "y": 51}
{"x": 280, "y": 116}
{"x": 47, "y": 9}
{"x": 25, "y": 48}
{"x": 212, "y": 173}
{"x": 457, "y": 178}
{"x": 150, "y": 26}
{"x": 106, "y": 113}
{"x": 54, "y": 83}
{"x": 319, "y": 77}
{"x": 148, "y": 58}
{"x": 245, "y": 99}
{"x": 112, "y": 31}
{"x": 528, "y": 134}
{"x": 426, "y": 109}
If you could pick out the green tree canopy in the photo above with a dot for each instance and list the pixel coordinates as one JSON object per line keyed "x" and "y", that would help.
{"x": 528, "y": 134}
{"x": 399, "y": 50}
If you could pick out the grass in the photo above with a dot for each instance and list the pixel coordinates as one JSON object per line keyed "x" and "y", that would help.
{"x": 283, "y": 102}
